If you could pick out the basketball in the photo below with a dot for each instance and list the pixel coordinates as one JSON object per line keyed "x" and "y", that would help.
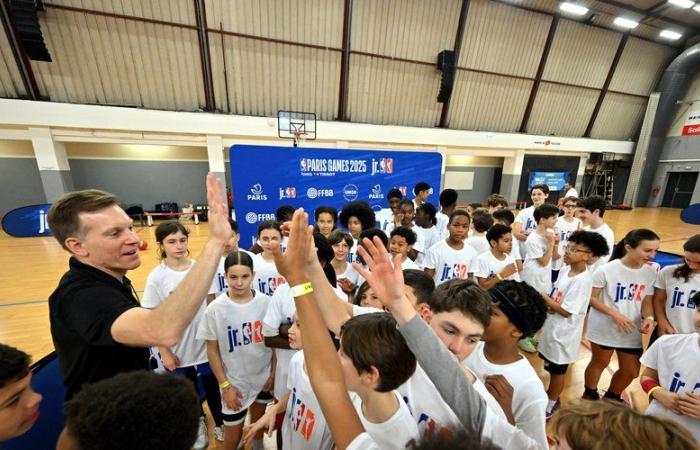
{"x": 143, "y": 245}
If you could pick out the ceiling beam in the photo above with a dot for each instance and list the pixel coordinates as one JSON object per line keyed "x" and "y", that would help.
{"x": 606, "y": 85}
{"x": 345, "y": 62}
{"x": 24, "y": 65}
{"x": 540, "y": 71}
{"x": 205, "y": 54}
{"x": 461, "y": 25}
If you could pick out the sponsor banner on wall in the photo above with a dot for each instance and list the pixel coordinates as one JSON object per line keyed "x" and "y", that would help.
{"x": 692, "y": 124}
{"x": 265, "y": 178}
{"x": 27, "y": 221}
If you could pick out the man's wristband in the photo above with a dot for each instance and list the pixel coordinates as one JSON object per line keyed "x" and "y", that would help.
{"x": 302, "y": 289}
{"x": 224, "y": 385}
{"x": 500, "y": 278}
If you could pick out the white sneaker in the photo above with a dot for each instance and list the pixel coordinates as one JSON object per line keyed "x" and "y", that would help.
{"x": 202, "y": 441}
{"x": 219, "y": 433}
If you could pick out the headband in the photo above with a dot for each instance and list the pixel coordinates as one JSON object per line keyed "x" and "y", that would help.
{"x": 509, "y": 309}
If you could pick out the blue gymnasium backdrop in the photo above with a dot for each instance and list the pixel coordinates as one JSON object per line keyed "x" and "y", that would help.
{"x": 265, "y": 178}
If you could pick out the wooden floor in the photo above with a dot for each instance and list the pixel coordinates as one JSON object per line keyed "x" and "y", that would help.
{"x": 31, "y": 268}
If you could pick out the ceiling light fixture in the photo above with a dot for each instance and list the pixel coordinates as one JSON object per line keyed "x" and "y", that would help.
{"x": 682, "y": 3}
{"x": 625, "y": 23}
{"x": 573, "y": 8}
{"x": 672, "y": 35}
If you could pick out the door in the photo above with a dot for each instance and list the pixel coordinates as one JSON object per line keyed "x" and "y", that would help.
{"x": 679, "y": 189}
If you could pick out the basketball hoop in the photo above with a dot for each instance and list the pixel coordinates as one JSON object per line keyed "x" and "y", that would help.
{"x": 296, "y": 125}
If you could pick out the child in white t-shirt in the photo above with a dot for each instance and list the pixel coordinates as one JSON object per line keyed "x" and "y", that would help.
{"x": 481, "y": 222}
{"x": 231, "y": 246}
{"x": 561, "y": 333}
{"x": 541, "y": 247}
{"x": 621, "y": 310}
{"x": 505, "y": 217}
{"x": 590, "y": 211}
{"x": 518, "y": 311}
{"x": 452, "y": 258}
{"x": 401, "y": 241}
{"x": 565, "y": 225}
{"x": 385, "y": 216}
{"x": 497, "y": 264}
{"x": 674, "y": 290}
{"x": 189, "y": 356}
{"x": 355, "y": 217}
{"x": 345, "y": 275}
{"x": 267, "y": 278}
{"x": 405, "y": 219}
{"x": 304, "y": 427}
{"x": 242, "y": 364}
{"x": 325, "y": 218}
{"x": 426, "y": 224}
{"x": 525, "y": 222}
{"x": 672, "y": 377}
{"x": 375, "y": 361}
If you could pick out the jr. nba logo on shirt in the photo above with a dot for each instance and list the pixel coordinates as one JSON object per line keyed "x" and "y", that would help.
{"x": 301, "y": 418}
{"x": 677, "y": 384}
{"x": 248, "y": 333}
{"x": 632, "y": 292}
{"x": 679, "y": 297}
{"x": 453, "y": 271}
{"x": 556, "y": 295}
{"x": 269, "y": 286}
{"x": 221, "y": 282}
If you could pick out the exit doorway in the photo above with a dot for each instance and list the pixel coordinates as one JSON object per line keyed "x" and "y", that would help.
{"x": 679, "y": 189}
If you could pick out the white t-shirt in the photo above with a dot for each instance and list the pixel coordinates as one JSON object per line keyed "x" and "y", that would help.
{"x": 515, "y": 251}
{"x": 622, "y": 289}
{"x": 395, "y": 432}
{"x": 607, "y": 232}
{"x": 527, "y": 219}
{"x": 425, "y": 403}
{"x": 680, "y": 307}
{"x": 534, "y": 273}
{"x": 384, "y": 217}
{"x": 442, "y": 221}
{"x": 304, "y": 426}
{"x": 419, "y": 246}
{"x": 280, "y": 312}
{"x": 676, "y": 359}
{"x": 363, "y": 441}
{"x": 352, "y": 253}
{"x": 350, "y": 274}
{"x": 220, "y": 277}
{"x": 529, "y": 398}
{"x": 478, "y": 243}
{"x": 560, "y": 337}
{"x": 564, "y": 229}
{"x": 409, "y": 264}
{"x": 238, "y": 330}
{"x": 267, "y": 278}
{"x": 449, "y": 263}
{"x": 161, "y": 282}
{"x": 487, "y": 266}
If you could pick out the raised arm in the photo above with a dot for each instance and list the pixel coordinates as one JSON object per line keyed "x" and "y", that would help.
{"x": 322, "y": 363}
{"x": 164, "y": 325}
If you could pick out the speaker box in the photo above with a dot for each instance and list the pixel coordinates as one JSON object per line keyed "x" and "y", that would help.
{"x": 446, "y": 64}
{"x": 26, "y": 21}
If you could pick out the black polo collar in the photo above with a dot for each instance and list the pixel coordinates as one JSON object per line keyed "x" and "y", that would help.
{"x": 80, "y": 268}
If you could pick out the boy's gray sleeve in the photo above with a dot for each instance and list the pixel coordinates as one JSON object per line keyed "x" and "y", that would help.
{"x": 446, "y": 373}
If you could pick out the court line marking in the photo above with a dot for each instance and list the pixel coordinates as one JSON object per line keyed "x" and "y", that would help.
{"x": 35, "y": 302}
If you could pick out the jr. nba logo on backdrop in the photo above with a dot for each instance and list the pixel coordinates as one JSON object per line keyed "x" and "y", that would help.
{"x": 288, "y": 192}
{"x": 383, "y": 165}
{"x": 28, "y": 221}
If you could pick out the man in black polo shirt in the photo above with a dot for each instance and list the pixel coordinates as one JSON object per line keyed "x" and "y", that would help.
{"x": 97, "y": 326}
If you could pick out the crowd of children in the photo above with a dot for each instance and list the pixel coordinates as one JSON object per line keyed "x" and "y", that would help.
{"x": 403, "y": 329}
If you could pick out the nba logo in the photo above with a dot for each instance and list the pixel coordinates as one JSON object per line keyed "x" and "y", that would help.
{"x": 387, "y": 165}
{"x": 292, "y": 192}
{"x": 302, "y": 163}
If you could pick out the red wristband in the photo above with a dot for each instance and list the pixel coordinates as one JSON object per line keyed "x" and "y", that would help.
{"x": 648, "y": 384}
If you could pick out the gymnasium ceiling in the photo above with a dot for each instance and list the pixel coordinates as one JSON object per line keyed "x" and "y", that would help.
{"x": 522, "y": 66}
